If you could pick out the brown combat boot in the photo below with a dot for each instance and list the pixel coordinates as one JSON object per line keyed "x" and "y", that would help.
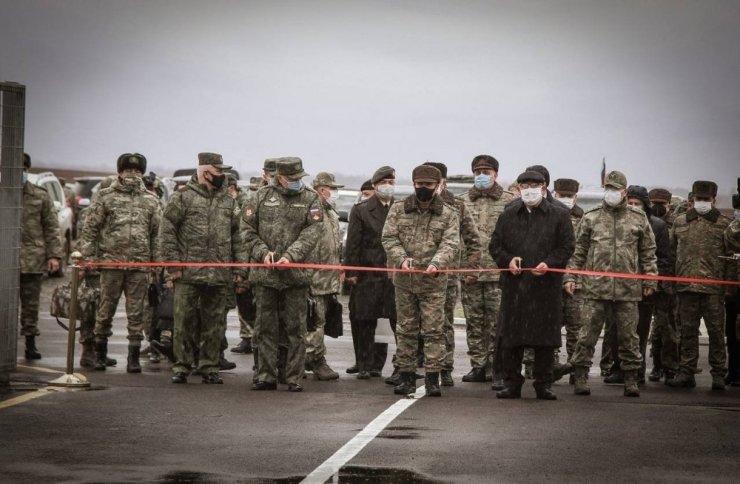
{"x": 322, "y": 371}
{"x": 581, "y": 385}
{"x": 87, "y": 359}
{"x": 630, "y": 384}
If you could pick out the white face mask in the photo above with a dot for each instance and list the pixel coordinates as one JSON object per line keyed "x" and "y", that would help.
{"x": 531, "y": 196}
{"x": 385, "y": 190}
{"x": 702, "y": 207}
{"x": 567, "y": 201}
{"x": 612, "y": 197}
{"x": 333, "y": 194}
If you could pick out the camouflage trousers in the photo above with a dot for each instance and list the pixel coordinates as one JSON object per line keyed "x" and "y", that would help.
{"x": 113, "y": 283}
{"x": 247, "y": 312}
{"x": 315, "y": 347}
{"x": 481, "y": 303}
{"x": 286, "y": 307}
{"x": 87, "y": 328}
{"x": 449, "y": 325}
{"x": 624, "y": 315}
{"x": 421, "y": 314}
{"x": 30, "y": 289}
{"x": 692, "y": 307}
{"x": 200, "y": 324}
{"x": 665, "y": 333}
{"x": 572, "y": 308}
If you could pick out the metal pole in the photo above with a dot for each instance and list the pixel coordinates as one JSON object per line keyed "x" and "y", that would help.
{"x": 71, "y": 379}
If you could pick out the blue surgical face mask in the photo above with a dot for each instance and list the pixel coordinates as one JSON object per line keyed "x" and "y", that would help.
{"x": 25, "y": 177}
{"x": 483, "y": 181}
{"x": 295, "y": 185}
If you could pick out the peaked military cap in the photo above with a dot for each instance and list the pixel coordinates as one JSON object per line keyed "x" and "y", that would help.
{"x": 616, "y": 179}
{"x": 566, "y": 186}
{"x": 255, "y": 182}
{"x": 530, "y": 176}
{"x": 131, "y": 161}
{"x": 440, "y": 166}
{"x": 704, "y": 188}
{"x": 270, "y": 165}
{"x": 484, "y": 162}
{"x": 426, "y": 173}
{"x": 290, "y": 166}
{"x": 382, "y": 173}
{"x": 213, "y": 159}
{"x": 324, "y": 179}
{"x": 660, "y": 195}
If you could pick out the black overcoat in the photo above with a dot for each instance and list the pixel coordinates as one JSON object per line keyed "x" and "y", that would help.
{"x": 373, "y": 296}
{"x": 531, "y": 305}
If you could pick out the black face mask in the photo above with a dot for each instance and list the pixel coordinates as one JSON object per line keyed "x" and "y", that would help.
{"x": 217, "y": 180}
{"x": 659, "y": 210}
{"x": 424, "y": 194}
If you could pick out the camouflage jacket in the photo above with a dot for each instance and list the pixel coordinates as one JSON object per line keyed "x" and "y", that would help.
{"x": 121, "y": 225}
{"x": 200, "y": 225}
{"x": 469, "y": 236}
{"x": 732, "y": 240}
{"x": 429, "y": 237}
{"x": 485, "y": 206}
{"x": 40, "y": 239}
{"x": 698, "y": 241}
{"x": 287, "y": 223}
{"x": 326, "y": 251}
{"x": 614, "y": 239}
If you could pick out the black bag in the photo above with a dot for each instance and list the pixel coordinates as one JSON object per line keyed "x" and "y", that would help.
{"x": 311, "y": 314}
{"x": 334, "y": 326}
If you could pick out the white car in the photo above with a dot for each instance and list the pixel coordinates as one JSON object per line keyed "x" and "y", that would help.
{"x": 48, "y": 181}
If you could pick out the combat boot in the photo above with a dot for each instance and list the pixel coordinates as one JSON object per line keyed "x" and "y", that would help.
{"x": 475, "y": 375}
{"x": 87, "y": 359}
{"x": 718, "y": 382}
{"x": 656, "y": 374}
{"x": 682, "y": 380}
{"x": 616, "y": 377}
{"x": 559, "y": 371}
{"x": 407, "y": 383}
{"x": 431, "y": 384}
{"x": 101, "y": 355}
{"x": 244, "y": 347}
{"x": 132, "y": 362}
{"x": 224, "y": 364}
{"x": 395, "y": 378}
{"x": 31, "y": 352}
{"x": 323, "y": 372}
{"x": 446, "y": 378}
{"x": 630, "y": 384}
{"x": 581, "y": 384}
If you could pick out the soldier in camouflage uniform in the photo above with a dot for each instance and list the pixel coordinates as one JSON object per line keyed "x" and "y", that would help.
{"x": 282, "y": 224}
{"x": 698, "y": 240}
{"x": 122, "y": 226}
{"x": 612, "y": 237}
{"x": 201, "y": 224}
{"x": 41, "y": 250}
{"x": 325, "y": 284}
{"x": 423, "y": 233}
{"x": 470, "y": 243}
{"x": 481, "y": 297}
{"x": 732, "y": 301}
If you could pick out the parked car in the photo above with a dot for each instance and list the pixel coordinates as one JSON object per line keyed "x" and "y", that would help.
{"x": 49, "y": 182}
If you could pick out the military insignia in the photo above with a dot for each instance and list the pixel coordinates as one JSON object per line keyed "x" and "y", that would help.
{"x": 315, "y": 213}
{"x": 248, "y": 212}
{"x": 273, "y": 199}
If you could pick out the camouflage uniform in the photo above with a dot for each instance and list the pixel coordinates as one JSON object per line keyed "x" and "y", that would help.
{"x": 39, "y": 243}
{"x": 572, "y": 305}
{"x": 287, "y": 223}
{"x": 121, "y": 226}
{"x": 428, "y": 236}
{"x": 481, "y": 300}
{"x": 201, "y": 225}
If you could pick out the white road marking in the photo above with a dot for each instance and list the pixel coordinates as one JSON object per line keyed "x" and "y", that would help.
{"x": 333, "y": 464}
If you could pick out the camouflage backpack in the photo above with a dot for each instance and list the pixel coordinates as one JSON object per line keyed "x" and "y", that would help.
{"x": 87, "y": 302}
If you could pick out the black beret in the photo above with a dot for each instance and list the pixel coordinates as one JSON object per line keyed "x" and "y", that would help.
{"x": 530, "y": 176}
{"x": 382, "y": 173}
{"x": 367, "y": 185}
{"x": 542, "y": 171}
{"x": 440, "y": 166}
{"x": 482, "y": 162}
{"x": 566, "y": 186}
{"x": 703, "y": 188}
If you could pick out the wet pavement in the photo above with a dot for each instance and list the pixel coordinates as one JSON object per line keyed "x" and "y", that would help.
{"x": 142, "y": 428}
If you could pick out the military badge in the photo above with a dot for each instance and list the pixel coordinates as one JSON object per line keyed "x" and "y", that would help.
{"x": 315, "y": 213}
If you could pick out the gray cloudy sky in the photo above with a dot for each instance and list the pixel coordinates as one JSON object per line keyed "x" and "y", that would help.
{"x": 652, "y": 85}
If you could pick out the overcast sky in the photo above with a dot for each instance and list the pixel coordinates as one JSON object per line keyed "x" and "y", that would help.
{"x": 652, "y": 85}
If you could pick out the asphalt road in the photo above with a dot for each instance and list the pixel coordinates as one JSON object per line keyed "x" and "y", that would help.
{"x": 142, "y": 428}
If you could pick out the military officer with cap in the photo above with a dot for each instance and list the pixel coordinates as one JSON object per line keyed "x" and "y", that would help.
{"x": 41, "y": 250}
{"x": 699, "y": 243}
{"x": 280, "y": 225}
{"x": 422, "y": 233}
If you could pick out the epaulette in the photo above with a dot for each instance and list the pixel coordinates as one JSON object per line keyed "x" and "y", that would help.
{"x": 593, "y": 209}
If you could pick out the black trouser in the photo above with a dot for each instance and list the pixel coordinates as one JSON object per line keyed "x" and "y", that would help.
{"x": 370, "y": 355}
{"x": 732, "y": 304}
{"x": 512, "y": 357}
{"x": 644, "y": 318}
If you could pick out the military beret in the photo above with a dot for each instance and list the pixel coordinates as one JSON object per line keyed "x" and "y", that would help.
{"x": 270, "y": 165}
{"x": 484, "y": 162}
{"x": 566, "y": 186}
{"x": 660, "y": 195}
{"x": 290, "y": 166}
{"x": 440, "y": 166}
{"x": 426, "y": 173}
{"x": 324, "y": 179}
{"x": 131, "y": 161}
{"x": 616, "y": 179}
{"x": 382, "y": 173}
{"x": 542, "y": 171}
{"x": 26, "y": 160}
{"x": 703, "y": 188}
{"x": 530, "y": 176}
{"x": 213, "y": 159}
{"x": 366, "y": 185}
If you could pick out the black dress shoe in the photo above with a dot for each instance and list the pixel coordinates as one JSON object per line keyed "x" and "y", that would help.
{"x": 375, "y": 373}
{"x": 352, "y": 370}
{"x": 509, "y": 393}
{"x": 294, "y": 387}
{"x": 363, "y": 375}
{"x": 212, "y": 379}
{"x": 264, "y": 385}
{"x": 180, "y": 378}
{"x": 545, "y": 394}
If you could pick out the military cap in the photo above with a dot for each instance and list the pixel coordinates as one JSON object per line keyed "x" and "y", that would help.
{"x": 426, "y": 173}
{"x": 660, "y": 195}
{"x": 26, "y": 160}
{"x": 566, "y": 186}
{"x": 484, "y": 162}
{"x": 131, "y": 161}
{"x": 530, "y": 176}
{"x": 615, "y": 179}
{"x": 542, "y": 171}
{"x": 640, "y": 193}
{"x": 440, "y": 166}
{"x": 213, "y": 159}
{"x": 255, "y": 182}
{"x": 290, "y": 166}
{"x": 703, "y": 188}
{"x": 324, "y": 179}
{"x": 270, "y": 165}
{"x": 366, "y": 185}
{"x": 382, "y": 173}
{"x": 231, "y": 179}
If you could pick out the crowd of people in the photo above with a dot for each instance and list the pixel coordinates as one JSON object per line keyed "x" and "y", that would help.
{"x": 515, "y": 258}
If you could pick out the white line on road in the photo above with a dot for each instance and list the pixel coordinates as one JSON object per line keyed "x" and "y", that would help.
{"x": 331, "y": 466}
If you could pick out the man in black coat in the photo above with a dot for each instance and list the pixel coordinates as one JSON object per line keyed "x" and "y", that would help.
{"x": 372, "y": 295}
{"x": 532, "y": 234}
